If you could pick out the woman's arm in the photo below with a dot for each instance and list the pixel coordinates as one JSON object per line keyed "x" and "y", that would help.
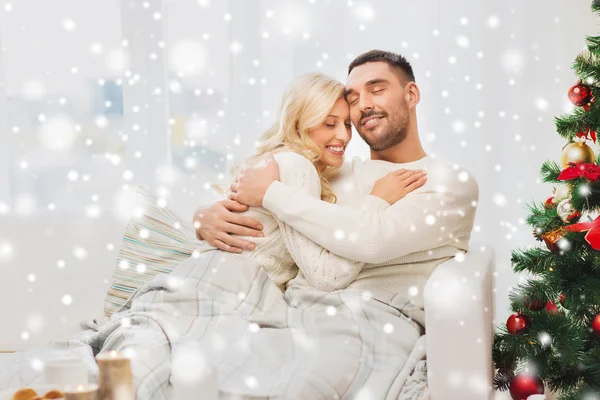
{"x": 322, "y": 269}
{"x": 421, "y": 221}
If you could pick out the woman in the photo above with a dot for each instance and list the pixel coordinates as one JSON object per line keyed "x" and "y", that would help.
{"x": 218, "y": 307}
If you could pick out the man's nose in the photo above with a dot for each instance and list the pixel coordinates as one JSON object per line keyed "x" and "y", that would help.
{"x": 365, "y": 103}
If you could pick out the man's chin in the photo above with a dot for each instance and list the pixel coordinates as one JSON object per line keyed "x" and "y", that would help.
{"x": 370, "y": 135}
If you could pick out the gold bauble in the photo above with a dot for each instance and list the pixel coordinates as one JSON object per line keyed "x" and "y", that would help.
{"x": 576, "y": 152}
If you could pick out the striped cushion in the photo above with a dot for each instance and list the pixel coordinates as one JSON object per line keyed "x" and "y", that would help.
{"x": 155, "y": 241}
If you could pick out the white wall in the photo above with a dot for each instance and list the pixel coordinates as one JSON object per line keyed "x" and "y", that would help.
{"x": 492, "y": 77}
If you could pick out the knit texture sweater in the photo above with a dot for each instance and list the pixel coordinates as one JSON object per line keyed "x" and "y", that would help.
{"x": 388, "y": 252}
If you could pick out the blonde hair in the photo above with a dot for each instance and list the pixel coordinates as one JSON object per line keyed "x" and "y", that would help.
{"x": 306, "y": 103}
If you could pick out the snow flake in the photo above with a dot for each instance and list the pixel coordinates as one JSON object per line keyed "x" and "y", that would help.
{"x": 67, "y": 300}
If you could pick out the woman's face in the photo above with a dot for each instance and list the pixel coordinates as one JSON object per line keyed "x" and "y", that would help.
{"x": 333, "y": 135}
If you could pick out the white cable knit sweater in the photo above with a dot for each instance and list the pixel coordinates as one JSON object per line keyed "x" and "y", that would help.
{"x": 388, "y": 251}
{"x": 283, "y": 250}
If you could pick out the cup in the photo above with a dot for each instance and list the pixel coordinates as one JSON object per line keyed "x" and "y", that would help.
{"x": 66, "y": 371}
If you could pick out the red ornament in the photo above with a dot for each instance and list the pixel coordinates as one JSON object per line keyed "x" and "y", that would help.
{"x": 596, "y": 325}
{"x": 550, "y": 202}
{"x": 517, "y": 324}
{"x": 593, "y": 232}
{"x": 524, "y": 385}
{"x": 588, "y": 134}
{"x": 591, "y": 172}
{"x": 534, "y": 305}
{"x": 580, "y": 94}
{"x": 551, "y": 307}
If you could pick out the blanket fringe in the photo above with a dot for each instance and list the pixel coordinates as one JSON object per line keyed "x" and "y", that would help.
{"x": 415, "y": 387}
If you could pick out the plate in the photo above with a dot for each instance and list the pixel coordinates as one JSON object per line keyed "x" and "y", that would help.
{"x": 40, "y": 389}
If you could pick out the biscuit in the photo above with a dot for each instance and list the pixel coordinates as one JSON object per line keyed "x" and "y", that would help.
{"x": 24, "y": 394}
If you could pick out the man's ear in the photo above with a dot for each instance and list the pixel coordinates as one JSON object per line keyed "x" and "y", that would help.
{"x": 412, "y": 94}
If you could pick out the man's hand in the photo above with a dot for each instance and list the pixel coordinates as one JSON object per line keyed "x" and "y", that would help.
{"x": 250, "y": 188}
{"x": 216, "y": 223}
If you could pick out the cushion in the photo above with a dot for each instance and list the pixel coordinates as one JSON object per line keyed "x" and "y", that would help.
{"x": 154, "y": 242}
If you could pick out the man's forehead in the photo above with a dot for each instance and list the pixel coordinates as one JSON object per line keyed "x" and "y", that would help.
{"x": 368, "y": 72}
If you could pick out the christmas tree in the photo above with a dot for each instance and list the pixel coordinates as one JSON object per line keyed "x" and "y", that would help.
{"x": 552, "y": 339}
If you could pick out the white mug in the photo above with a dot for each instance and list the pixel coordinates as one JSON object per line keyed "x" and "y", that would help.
{"x": 66, "y": 371}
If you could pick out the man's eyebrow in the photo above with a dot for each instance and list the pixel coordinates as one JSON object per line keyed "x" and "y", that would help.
{"x": 372, "y": 82}
{"x": 376, "y": 81}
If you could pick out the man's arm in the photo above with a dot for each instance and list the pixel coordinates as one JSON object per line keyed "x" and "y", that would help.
{"x": 216, "y": 224}
{"x": 420, "y": 221}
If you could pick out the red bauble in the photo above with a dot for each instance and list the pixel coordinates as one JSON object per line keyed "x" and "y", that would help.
{"x": 550, "y": 202}
{"x": 524, "y": 385}
{"x": 551, "y": 307}
{"x": 534, "y": 305}
{"x": 517, "y": 324}
{"x": 596, "y": 325}
{"x": 580, "y": 94}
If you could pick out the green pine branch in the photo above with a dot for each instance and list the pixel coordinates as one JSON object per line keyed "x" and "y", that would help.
{"x": 550, "y": 171}
{"x": 593, "y": 44}
{"x": 579, "y": 120}
{"x": 535, "y": 260}
{"x": 542, "y": 218}
{"x": 587, "y": 66}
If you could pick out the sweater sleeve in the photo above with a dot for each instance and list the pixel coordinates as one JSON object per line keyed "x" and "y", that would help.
{"x": 321, "y": 268}
{"x": 438, "y": 214}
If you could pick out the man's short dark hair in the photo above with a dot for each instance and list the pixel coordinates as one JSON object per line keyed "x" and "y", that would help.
{"x": 394, "y": 60}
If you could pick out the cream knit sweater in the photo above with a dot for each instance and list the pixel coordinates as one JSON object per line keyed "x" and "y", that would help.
{"x": 387, "y": 251}
{"x": 283, "y": 250}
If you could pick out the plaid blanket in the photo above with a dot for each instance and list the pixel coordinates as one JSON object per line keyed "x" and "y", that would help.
{"x": 220, "y": 313}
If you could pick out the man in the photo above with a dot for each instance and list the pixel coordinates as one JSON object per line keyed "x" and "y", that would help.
{"x": 403, "y": 243}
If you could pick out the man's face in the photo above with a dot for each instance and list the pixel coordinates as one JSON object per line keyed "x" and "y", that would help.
{"x": 378, "y": 104}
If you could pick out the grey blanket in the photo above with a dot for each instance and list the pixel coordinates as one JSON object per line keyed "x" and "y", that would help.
{"x": 219, "y": 313}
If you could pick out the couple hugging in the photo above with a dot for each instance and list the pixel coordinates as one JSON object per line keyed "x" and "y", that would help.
{"x": 308, "y": 281}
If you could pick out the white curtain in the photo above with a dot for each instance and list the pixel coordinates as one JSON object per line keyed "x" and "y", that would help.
{"x": 202, "y": 79}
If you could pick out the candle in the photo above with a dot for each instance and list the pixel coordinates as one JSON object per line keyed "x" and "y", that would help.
{"x": 81, "y": 392}
{"x": 114, "y": 376}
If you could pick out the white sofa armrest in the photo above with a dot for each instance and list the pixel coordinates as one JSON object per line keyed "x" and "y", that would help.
{"x": 458, "y": 326}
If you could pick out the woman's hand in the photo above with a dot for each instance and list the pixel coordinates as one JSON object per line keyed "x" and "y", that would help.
{"x": 398, "y": 184}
